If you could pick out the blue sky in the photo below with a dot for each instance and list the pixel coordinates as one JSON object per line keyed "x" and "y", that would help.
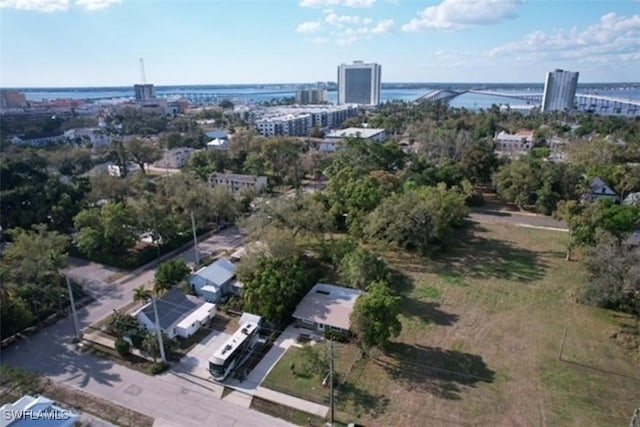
{"x": 98, "y": 42}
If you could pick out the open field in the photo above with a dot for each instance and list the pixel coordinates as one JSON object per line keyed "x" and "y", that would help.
{"x": 482, "y": 330}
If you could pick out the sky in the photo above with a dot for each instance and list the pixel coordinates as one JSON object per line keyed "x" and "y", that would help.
{"x": 67, "y": 43}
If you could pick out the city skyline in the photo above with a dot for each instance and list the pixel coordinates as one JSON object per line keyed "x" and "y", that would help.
{"x": 79, "y": 43}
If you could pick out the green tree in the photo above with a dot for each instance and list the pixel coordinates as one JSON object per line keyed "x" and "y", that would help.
{"x": 359, "y": 268}
{"x": 614, "y": 276}
{"x": 171, "y": 273}
{"x": 480, "y": 162}
{"x": 352, "y": 194}
{"x": 419, "y": 219}
{"x": 276, "y": 286}
{"x": 32, "y": 263}
{"x": 301, "y": 214}
{"x": 142, "y": 152}
{"x": 112, "y": 229}
{"x": 375, "y": 317}
{"x": 123, "y": 325}
{"x": 533, "y": 182}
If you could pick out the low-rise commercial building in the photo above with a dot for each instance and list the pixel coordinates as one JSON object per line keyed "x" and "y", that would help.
{"x": 373, "y": 134}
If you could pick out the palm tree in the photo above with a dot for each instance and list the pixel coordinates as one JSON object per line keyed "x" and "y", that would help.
{"x": 140, "y": 294}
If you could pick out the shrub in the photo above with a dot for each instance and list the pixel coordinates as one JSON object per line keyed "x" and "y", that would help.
{"x": 122, "y": 347}
{"x": 158, "y": 368}
{"x": 339, "y": 336}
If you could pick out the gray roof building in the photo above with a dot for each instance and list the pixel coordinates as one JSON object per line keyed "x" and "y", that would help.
{"x": 171, "y": 307}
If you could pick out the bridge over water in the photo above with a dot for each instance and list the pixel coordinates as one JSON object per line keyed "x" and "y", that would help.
{"x": 584, "y": 102}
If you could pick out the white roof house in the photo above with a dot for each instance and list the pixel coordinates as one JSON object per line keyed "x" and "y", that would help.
{"x": 30, "y": 411}
{"x": 327, "y": 306}
{"x": 374, "y": 134}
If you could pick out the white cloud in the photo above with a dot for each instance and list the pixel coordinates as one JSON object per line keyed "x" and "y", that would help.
{"x": 97, "y": 4}
{"x": 309, "y": 27}
{"x": 334, "y": 19}
{"x": 56, "y": 5}
{"x": 613, "y": 38}
{"x": 339, "y": 3}
{"x": 383, "y": 27}
{"x": 460, "y": 14}
{"x": 36, "y": 5}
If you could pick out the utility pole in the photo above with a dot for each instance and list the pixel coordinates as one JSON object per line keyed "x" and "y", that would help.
{"x": 158, "y": 330}
{"x": 76, "y": 325}
{"x": 331, "y": 382}
{"x": 195, "y": 240}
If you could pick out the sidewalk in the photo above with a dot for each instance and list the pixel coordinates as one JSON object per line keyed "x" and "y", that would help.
{"x": 292, "y": 402}
{"x": 252, "y": 385}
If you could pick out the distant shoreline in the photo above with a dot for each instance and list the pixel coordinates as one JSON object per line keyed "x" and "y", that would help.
{"x": 331, "y": 87}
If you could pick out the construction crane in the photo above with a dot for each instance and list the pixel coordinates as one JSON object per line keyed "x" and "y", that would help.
{"x": 143, "y": 77}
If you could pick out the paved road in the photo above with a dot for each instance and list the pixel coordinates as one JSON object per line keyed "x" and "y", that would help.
{"x": 518, "y": 219}
{"x": 171, "y": 400}
{"x": 110, "y": 296}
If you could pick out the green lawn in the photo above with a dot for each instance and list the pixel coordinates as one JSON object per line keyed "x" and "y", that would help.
{"x": 482, "y": 327}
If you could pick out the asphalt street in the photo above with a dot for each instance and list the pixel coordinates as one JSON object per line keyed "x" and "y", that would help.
{"x": 170, "y": 399}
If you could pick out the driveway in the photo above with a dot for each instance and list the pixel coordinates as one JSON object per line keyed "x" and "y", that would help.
{"x": 258, "y": 374}
{"x": 195, "y": 365}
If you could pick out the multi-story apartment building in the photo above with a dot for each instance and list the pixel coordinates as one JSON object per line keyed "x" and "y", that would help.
{"x": 559, "y": 91}
{"x": 359, "y": 83}
{"x": 237, "y": 183}
{"x": 311, "y": 96}
{"x": 298, "y": 121}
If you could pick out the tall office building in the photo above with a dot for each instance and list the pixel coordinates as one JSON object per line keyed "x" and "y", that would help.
{"x": 359, "y": 83}
{"x": 559, "y": 91}
{"x": 144, "y": 92}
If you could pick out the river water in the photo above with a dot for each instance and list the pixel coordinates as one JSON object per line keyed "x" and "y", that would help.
{"x": 263, "y": 93}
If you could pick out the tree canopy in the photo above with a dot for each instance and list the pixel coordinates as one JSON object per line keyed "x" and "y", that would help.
{"x": 375, "y": 316}
{"x": 276, "y": 286}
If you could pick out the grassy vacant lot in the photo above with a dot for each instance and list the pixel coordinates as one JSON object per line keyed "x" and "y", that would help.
{"x": 482, "y": 328}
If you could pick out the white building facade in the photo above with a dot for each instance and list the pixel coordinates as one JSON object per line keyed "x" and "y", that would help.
{"x": 236, "y": 183}
{"x": 559, "y": 91}
{"x": 359, "y": 83}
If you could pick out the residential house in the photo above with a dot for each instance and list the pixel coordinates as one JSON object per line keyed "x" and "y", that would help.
{"x": 218, "y": 144}
{"x": 599, "y": 190}
{"x": 36, "y": 411}
{"x": 237, "y": 183}
{"x": 327, "y": 307}
{"x": 514, "y": 145}
{"x": 178, "y": 314}
{"x": 216, "y": 281}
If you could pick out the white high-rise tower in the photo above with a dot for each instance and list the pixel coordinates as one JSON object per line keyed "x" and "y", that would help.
{"x": 559, "y": 91}
{"x": 359, "y": 83}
